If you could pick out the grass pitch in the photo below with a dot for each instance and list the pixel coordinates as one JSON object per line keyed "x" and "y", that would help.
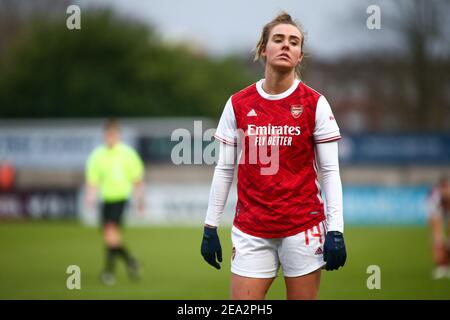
{"x": 35, "y": 256}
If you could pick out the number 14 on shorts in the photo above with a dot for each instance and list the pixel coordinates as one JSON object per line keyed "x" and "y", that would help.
{"x": 313, "y": 232}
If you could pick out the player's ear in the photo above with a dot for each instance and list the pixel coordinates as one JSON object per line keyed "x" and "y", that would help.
{"x": 263, "y": 52}
{"x": 300, "y": 58}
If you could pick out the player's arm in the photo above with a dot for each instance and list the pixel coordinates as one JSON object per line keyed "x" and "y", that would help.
{"x": 137, "y": 175}
{"x": 211, "y": 249}
{"x": 220, "y": 188}
{"x": 335, "y": 253}
{"x": 91, "y": 195}
{"x": 92, "y": 179}
{"x": 326, "y": 134}
{"x": 139, "y": 194}
{"x": 221, "y": 183}
{"x": 328, "y": 162}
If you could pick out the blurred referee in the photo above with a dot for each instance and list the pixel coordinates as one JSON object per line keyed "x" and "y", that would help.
{"x": 115, "y": 170}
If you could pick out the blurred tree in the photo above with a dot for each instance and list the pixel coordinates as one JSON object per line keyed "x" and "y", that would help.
{"x": 423, "y": 28}
{"x": 402, "y": 82}
{"x": 14, "y": 15}
{"x": 111, "y": 67}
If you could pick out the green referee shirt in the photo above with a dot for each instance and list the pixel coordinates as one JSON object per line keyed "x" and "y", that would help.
{"x": 114, "y": 170}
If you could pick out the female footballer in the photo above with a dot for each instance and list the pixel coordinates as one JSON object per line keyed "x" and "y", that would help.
{"x": 438, "y": 207}
{"x": 278, "y": 132}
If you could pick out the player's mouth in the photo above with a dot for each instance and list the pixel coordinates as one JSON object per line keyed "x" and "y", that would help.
{"x": 284, "y": 56}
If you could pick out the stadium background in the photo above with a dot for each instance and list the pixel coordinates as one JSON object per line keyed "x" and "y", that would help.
{"x": 57, "y": 87}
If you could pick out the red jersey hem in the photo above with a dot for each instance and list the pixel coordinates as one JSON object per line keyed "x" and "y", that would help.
{"x": 280, "y": 235}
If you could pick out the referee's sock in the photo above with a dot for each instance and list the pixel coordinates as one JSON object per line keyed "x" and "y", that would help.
{"x": 122, "y": 252}
{"x": 110, "y": 259}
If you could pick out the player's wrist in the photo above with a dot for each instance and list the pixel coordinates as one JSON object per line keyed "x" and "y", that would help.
{"x": 335, "y": 233}
{"x": 210, "y": 231}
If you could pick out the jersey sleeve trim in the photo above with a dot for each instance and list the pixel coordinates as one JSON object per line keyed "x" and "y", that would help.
{"x": 333, "y": 138}
{"x": 227, "y": 127}
{"x": 224, "y": 140}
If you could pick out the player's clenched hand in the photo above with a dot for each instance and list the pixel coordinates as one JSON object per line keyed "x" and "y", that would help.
{"x": 334, "y": 252}
{"x": 211, "y": 247}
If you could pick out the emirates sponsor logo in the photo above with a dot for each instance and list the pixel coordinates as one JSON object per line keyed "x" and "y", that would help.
{"x": 272, "y": 135}
{"x": 253, "y": 130}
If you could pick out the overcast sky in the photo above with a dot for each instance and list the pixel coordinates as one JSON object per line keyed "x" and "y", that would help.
{"x": 333, "y": 27}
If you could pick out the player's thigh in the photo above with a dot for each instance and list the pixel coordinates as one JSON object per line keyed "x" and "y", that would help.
{"x": 253, "y": 257}
{"x": 304, "y": 287}
{"x": 246, "y": 288}
{"x": 302, "y": 253}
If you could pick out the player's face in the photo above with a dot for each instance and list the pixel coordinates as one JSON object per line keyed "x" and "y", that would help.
{"x": 111, "y": 137}
{"x": 283, "y": 49}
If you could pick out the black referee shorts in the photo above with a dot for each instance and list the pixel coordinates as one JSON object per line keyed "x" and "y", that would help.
{"x": 112, "y": 212}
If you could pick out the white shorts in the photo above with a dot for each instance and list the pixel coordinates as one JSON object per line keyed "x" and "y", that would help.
{"x": 298, "y": 255}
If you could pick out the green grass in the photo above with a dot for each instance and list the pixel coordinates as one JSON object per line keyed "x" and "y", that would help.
{"x": 35, "y": 256}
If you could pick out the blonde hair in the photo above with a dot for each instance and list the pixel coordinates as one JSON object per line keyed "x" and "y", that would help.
{"x": 282, "y": 18}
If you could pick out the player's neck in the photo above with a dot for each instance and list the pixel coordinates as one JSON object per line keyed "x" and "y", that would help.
{"x": 277, "y": 82}
{"x": 112, "y": 145}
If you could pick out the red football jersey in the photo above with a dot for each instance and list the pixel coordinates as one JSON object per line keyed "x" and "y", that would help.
{"x": 278, "y": 191}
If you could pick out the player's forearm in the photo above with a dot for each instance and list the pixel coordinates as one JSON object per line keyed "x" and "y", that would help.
{"x": 332, "y": 187}
{"x": 220, "y": 188}
{"x": 91, "y": 190}
{"x": 90, "y": 196}
{"x": 221, "y": 184}
{"x": 139, "y": 190}
{"x": 331, "y": 184}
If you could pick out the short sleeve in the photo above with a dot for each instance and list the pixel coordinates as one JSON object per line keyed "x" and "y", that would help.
{"x": 227, "y": 129}
{"x": 326, "y": 128}
{"x": 92, "y": 168}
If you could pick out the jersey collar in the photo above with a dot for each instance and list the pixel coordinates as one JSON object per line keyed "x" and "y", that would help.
{"x": 275, "y": 96}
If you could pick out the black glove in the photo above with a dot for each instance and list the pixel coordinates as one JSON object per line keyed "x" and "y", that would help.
{"x": 211, "y": 247}
{"x": 334, "y": 252}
